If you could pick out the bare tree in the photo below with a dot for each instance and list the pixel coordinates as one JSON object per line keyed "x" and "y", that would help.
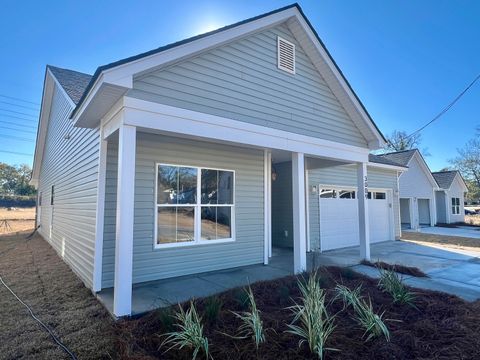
{"x": 400, "y": 141}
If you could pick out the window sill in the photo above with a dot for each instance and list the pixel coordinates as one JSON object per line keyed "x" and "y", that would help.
{"x": 192, "y": 244}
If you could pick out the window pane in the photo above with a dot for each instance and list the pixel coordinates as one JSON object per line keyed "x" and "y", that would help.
{"x": 185, "y": 224}
{"x": 380, "y": 195}
{"x": 327, "y": 193}
{"x": 346, "y": 194}
{"x": 225, "y": 187}
{"x": 458, "y": 201}
{"x": 209, "y": 223}
{"x": 167, "y": 184}
{"x": 453, "y": 210}
{"x": 369, "y": 195}
{"x": 453, "y": 201}
{"x": 224, "y": 222}
{"x": 209, "y": 186}
{"x": 187, "y": 185}
{"x": 166, "y": 231}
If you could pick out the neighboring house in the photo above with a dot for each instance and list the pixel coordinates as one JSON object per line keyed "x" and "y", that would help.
{"x": 161, "y": 165}
{"x": 417, "y": 189}
{"x": 450, "y": 197}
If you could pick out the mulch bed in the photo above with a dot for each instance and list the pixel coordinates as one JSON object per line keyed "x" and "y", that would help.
{"x": 402, "y": 269}
{"x": 440, "y": 327}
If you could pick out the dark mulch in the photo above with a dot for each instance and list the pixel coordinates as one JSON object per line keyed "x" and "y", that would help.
{"x": 440, "y": 327}
{"x": 34, "y": 271}
{"x": 402, "y": 269}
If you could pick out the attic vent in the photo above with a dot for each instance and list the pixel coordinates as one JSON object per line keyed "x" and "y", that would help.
{"x": 286, "y": 55}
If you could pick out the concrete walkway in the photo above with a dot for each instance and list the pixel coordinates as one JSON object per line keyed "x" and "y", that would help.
{"x": 450, "y": 271}
{"x": 462, "y": 231}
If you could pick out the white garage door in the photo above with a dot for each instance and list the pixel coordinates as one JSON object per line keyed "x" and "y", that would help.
{"x": 339, "y": 218}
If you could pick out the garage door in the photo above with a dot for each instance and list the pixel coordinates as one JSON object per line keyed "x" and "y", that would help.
{"x": 339, "y": 218}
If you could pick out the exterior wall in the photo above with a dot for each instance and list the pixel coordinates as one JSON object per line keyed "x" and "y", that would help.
{"x": 71, "y": 165}
{"x": 441, "y": 208}
{"x": 346, "y": 175}
{"x": 149, "y": 263}
{"x": 405, "y": 211}
{"x": 456, "y": 190}
{"x": 282, "y": 200}
{"x": 241, "y": 81}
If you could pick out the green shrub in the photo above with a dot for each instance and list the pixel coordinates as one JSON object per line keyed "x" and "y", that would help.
{"x": 390, "y": 282}
{"x": 189, "y": 334}
{"x": 311, "y": 321}
{"x": 241, "y": 298}
{"x": 166, "y": 318}
{"x": 212, "y": 308}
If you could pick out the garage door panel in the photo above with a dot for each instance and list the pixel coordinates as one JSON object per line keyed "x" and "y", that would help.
{"x": 379, "y": 220}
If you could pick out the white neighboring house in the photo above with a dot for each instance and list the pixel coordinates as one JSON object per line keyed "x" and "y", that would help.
{"x": 417, "y": 190}
{"x": 161, "y": 165}
{"x": 450, "y": 197}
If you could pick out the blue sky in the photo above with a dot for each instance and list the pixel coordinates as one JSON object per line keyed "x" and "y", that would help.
{"x": 405, "y": 59}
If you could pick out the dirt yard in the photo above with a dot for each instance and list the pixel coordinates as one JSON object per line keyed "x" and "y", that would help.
{"x": 454, "y": 242}
{"x": 472, "y": 220}
{"x": 13, "y": 220}
{"x": 33, "y": 270}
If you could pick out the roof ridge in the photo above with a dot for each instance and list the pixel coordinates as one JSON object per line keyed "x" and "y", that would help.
{"x": 65, "y": 69}
{"x": 400, "y": 151}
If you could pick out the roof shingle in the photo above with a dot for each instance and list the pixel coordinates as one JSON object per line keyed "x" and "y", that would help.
{"x": 400, "y": 157}
{"x": 445, "y": 179}
{"x": 383, "y": 160}
{"x": 73, "y": 82}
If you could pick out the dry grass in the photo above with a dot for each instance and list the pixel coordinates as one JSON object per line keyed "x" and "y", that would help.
{"x": 40, "y": 278}
{"x": 16, "y": 220}
{"x": 472, "y": 220}
{"x": 455, "y": 242}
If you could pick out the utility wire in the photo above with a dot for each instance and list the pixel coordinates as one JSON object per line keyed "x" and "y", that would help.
{"x": 13, "y": 129}
{"x": 16, "y": 138}
{"x": 18, "y": 117}
{"x": 18, "y": 99}
{"x": 21, "y": 106}
{"x": 18, "y": 112}
{"x": 15, "y": 153}
{"x": 17, "y": 124}
{"x": 448, "y": 107}
{"x": 54, "y": 337}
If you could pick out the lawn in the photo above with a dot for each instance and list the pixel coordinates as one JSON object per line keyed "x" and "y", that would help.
{"x": 453, "y": 242}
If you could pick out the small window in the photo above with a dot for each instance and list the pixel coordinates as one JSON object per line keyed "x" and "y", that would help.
{"x": 328, "y": 194}
{"x": 346, "y": 194}
{"x": 380, "y": 195}
{"x": 455, "y": 206}
{"x": 286, "y": 55}
{"x": 52, "y": 195}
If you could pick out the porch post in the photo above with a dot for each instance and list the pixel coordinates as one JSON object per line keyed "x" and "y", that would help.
{"x": 363, "y": 215}
{"x": 267, "y": 203}
{"x": 122, "y": 296}
{"x": 299, "y": 215}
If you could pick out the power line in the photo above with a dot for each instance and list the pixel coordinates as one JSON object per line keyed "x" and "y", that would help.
{"x": 17, "y": 124}
{"x": 13, "y": 129}
{"x": 14, "y": 153}
{"x": 17, "y": 138}
{"x": 18, "y": 117}
{"x": 18, "y": 99}
{"x": 22, "y": 106}
{"x": 18, "y": 112}
{"x": 448, "y": 107}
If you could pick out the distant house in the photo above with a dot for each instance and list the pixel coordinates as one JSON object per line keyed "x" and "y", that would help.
{"x": 205, "y": 154}
{"x": 450, "y": 197}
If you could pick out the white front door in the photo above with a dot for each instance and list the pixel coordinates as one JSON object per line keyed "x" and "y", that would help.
{"x": 339, "y": 217}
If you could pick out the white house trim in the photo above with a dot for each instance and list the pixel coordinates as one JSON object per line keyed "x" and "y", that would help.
{"x": 363, "y": 214}
{"x": 169, "y": 119}
{"x": 299, "y": 213}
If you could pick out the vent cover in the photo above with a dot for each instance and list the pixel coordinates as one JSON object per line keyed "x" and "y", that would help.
{"x": 286, "y": 55}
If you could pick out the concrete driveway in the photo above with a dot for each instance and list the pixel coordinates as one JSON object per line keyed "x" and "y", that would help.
{"x": 455, "y": 272}
{"x": 462, "y": 231}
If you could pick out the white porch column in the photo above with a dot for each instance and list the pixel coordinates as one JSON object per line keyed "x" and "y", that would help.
{"x": 267, "y": 202}
{"x": 363, "y": 215}
{"x": 299, "y": 213}
{"x": 122, "y": 296}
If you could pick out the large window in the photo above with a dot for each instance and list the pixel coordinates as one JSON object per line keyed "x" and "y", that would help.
{"x": 194, "y": 205}
{"x": 455, "y": 206}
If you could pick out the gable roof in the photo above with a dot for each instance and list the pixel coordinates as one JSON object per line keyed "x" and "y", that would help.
{"x": 384, "y": 160}
{"x": 400, "y": 157}
{"x": 73, "y": 82}
{"x": 116, "y": 78}
{"x": 445, "y": 178}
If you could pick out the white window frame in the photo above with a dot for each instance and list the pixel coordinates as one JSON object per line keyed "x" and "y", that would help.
{"x": 197, "y": 226}
{"x": 455, "y": 208}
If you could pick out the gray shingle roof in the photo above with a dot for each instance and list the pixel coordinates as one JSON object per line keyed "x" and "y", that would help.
{"x": 400, "y": 157}
{"x": 73, "y": 82}
{"x": 383, "y": 160}
{"x": 445, "y": 179}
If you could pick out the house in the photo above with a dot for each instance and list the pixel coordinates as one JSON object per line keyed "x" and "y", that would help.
{"x": 450, "y": 197}
{"x": 204, "y": 154}
{"x": 417, "y": 188}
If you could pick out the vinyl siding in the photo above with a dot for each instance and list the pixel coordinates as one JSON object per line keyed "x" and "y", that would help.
{"x": 241, "y": 81}
{"x": 456, "y": 190}
{"x": 346, "y": 175}
{"x": 414, "y": 182}
{"x": 151, "y": 264}
{"x": 71, "y": 165}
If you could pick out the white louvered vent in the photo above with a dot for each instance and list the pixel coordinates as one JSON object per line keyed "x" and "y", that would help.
{"x": 286, "y": 55}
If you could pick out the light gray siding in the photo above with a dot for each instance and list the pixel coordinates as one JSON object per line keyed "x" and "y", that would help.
{"x": 241, "y": 81}
{"x": 346, "y": 175}
{"x": 149, "y": 263}
{"x": 71, "y": 165}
